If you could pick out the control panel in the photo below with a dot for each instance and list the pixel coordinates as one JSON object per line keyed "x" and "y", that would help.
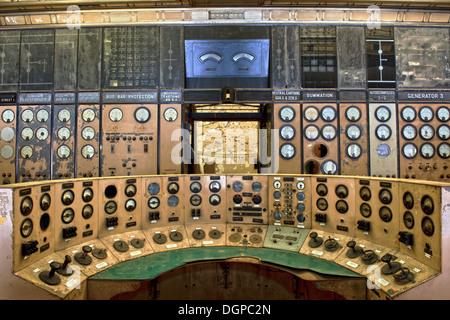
{"x": 88, "y": 141}
{"x": 170, "y": 135}
{"x": 324, "y": 245}
{"x": 63, "y": 141}
{"x": 8, "y": 138}
{"x": 127, "y": 245}
{"x": 247, "y": 235}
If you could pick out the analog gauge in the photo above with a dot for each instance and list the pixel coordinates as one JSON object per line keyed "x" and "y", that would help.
{"x": 142, "y": 114}
{"x": 110, "y": 207}
{"x": 322, "y": 204}
{"x": 328, "y": 132}
{"x": 443, "y": 132}
{"x": 300, "y": 185}
{"x": 365, "y": 193}
{"x": 427, "y": 150}
{"x": 329, "y": 167}
{"x": 426, "y": 114}
{"x": 382, "y": 113}
{"x": 67, "y": 197}
{"x": 173, "y": 187}
{"x": 287, "y": 151}
{"x": 277, "y": 184}
{"x": 427, "y": 226}
{"x": 214, "y": 199}
{"x": 195, "y": 200}
{"x": 27, "y": 115}
{"x": 385, "y": 196}
{"x": 383, "y": 132}
{"x": 328, "y": 113}
{"x": 311, "y": 132}
{"x": 88, "y": 115}
{"x": 64, "y": 133}
{"x": 277, "y": 195}
{"x": 7, "y": 134}
{"x": 172, "y": 201}
{"x": 408, "y": 200}
{"x": 322, "y": 190}
{"x": 27, "y": 134}
{"x": 115, "y": 115}
{"x": 256, "y": 186}
{"x": 87, "y": 194}
{"x": 287, "y": 132}
{"x": 427, "y": 132}
{"x": 341, "y": 206}
{"x": 130, "y": 190}
{"x": 409, "y": 132}
{"x": 26, "y": 228}
{"x": 409, "y": 150}
{"x": 64, "y": 115}
{"x": 170, "y": 114}
{"x": 67, "y": 215}
{"x": 408, "y": 219}
{"x": 427, "y": 204}
{"x": 408, "y": 114}
{"x": 354, "y": 150}
{"x": 26, "y": 152}
{"x": 26, "y": 206}
{"x": 153, "y": 203}
{"x": 214, "y": 186}
{"x": 300, "y": 196}
{"x": 353, "y": 132}
{"x": 287, "y": 113}
{"x": 87, "y": 151}
{"x": 341, "y": 191}
{"x": 443, "y": 114}
{"x": 130, "y": 205}
{"x": 63, "y": 152}
{"x": 88, "y": 133}
{"x": 353, "y": 113}
{"x": 42, "y": 133}
{"x": 7, "y": 152}
{"x": 195, "y": 187}
{"x": 42, "y": 115}
{"x": 237, "y": 186}
{"x": 444, "y": 150}
{"x": 311, "y": 113}
{"x": 153, "y": 188}
{"x": 8, "y": 116}
{"x": 365, "y": 210}
{"x": 385, "y": 214}
{"x": 87, "y": 211}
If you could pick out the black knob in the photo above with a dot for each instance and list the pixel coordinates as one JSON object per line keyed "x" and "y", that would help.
{"x": 54, "y": 266}
{"x": 67, "y": 260}
{"x": 351, "y": 244}
{"x": 83, "y": 257}
{"x": 49, "y": 277}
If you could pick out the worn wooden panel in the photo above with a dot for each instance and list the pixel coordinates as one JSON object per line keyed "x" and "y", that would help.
{"x": 66, "y": 47}
{"x": 171, "y": 58}
{"x": 64, "y": 123}
{"x": 9, "y": 60}
{"x": 89, "y": 58}
{"x": 351, "y": 57}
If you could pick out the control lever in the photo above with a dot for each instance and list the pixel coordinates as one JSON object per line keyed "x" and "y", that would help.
{"x": 83, "y": 257}
{"x": 65, "y": 269}
{"x": 315, "y": 242}
{"x": 403, "y": 275}
{"x": 331, "y": 244}
{"x": 49, "y": 277}
{"x": 369, "y": 257}
{"x": 353, "y": 251}
{"x": 389, "y": 267}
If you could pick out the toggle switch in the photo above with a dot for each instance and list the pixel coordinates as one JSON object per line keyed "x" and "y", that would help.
{"x": 49, "y": 277}
{"x": 65, "y": 269}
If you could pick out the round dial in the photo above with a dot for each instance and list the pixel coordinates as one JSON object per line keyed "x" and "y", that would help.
{"x": 153, "y": 188}
{"x": 341, "y": 206}
{"x": 64, "y": 133}
{"x": 195, "y": 200}
{"x": 287, "y": 132}
{"x": 173, "y": 187}
{"x": 329, "y": 167}
{"x": 409, "y": 150}
{"x": 427, "y": 132}
{"x": 130, "y": 205}
{"x": 328, "y": 113}
{"x": 27, "y": 115}
{"x": 170, "y": 114}
{"x": 142, "y": 114}
{"x": 383, "y": 132}
{"x": 311, "y": 113}
{"x": 322, "y": 204}
{"x": 115, "y": 115}
{"x": 443, "y": 132}
{"x": 172, "y": 201}
{"x": 365, "y": 210}
{"x": 427, "y": 150}
{"x": 385, "y": 196}
{"x": 26, "y": 228}
{"x": 110, "y": 207}
{"x": 8, "y": 116}
{"x": 300, "y": 196}
{"x": 214, "y": 186}
{"x": 427, "y": 204}
{"x": 67, "y": 197}
{"x": 426, "y": 114}
{"x": 300, "y": 185}
{"x": 353, "y": 113}
{"x": 26, "y": 152}
{"x": 256, "y": 186}
{"x": 287, "y": 113}
{"x": 287, "y": 151}
{"x": 237, "y": 186}
{"x": 408, "y": 219}
{"x": 409, "y": 132}
{"x": 27, "y": 134}
{"x": 443, "y": 114}
{"x": 311, "y": 132}
{"x": 365, "y": 193}
{"x": 87, "y": 211}
{"x": 408, "y": 113}
{"x": 237, "y": 198}
{"x": 153, "y": 203}
{"x": 408, "y": 200}
{"x": 130, "y": 190}
{"x": 42, "y": 115}
{"x": 353, "y": 132}
{"x": 64, "y": 115}
{"x": 195, "y": 187}
{"x": 444, "y": 150}
{"x": 385, "y": 214}
{"x": 7, "y": 152}
{"x": 341, "y": 191}
{"x": 67, "y": 215}
{"x": 63, "y": 152}
{"x": 26, "y": 206}
{"x": 88, "y": 133}
{"x": 277, "y": 184}
{"x": 427, "y": 226}
{"x": 87, "y": 151}
{"x": 42, "y": 133}
{"x": 7, "y": 134}
{"x": 87, "y": 194}
{"x": 88, "y": 115}
{"x": 382, "y": 113}
{"x": 214, "y": 199}
{"x": 328, "y": 132}
{"x": 354, "y": 150}
{"x": 322, "y": 190}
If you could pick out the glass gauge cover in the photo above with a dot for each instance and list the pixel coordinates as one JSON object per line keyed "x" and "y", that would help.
{"x": 26, "y": 152}
{"x": 63, "y": 152}
{"x": 328, "y": 113}
{"x": 385, "y": 196}
{"x": 115, "y": 114}
{"x": 409, "y": 132}
{"x": 322, "y": 204}
{"x": 87, "y": 194}
{"x": 385, "y": 214}
{"x": 130, "y": 190}
{"x": 26, "y": 228}
{"x": 443, "y": 132}
{"x": 287, "y": 113}
{"x": 64, "y": 133}
{"x": 87, "y": 151}
{"x": 427, "y": 150}
{"x": 67, "y": 215}
{"x": 256, "y": 186}
{"x": 353, "y": 132}
{"x": 426, "y": 132}
{"x": 42, "y": 115}
{"x": 153, "y": 188}
{"x": 27, "y": 134}
{"x": 383, "y": 132}
{"x": 287, "y": 151}
{"x": 444, "y": 150}
{"x": 382, "y": 113}
{"x": 153, "y": 203}
{"x": 7, "y": 134}
{"x": 427, "y": 226}
{"x": 365, "y": 193}
{"x": 237, "y": 186}
{"x": 328, "y": 132}
{"x": 142, "y": 114}
{"x": 172, "y": 201}
{"x": 214, "y": 199}
{"x": 365, "y": 210}
{"x": 88, "y": 115}
{"x": 354, "y": 150}
{"x": 353, "y": 113}
{"x": 214, "y": 186}
{"x": 408, "y": 200}
{"x": 87, "y": 211}
{"x": 300, "y": 185}
{"x": 329, "y": 167}
{"x": 26, "y": 206}
{"x": 195, "y": 187}
{"x": 64, "y": 115}
{"x": 173, "y": 187}
{"x": 311, "y": 113}
{"x": 88, "y": 133}
{"x": 426, "y": 114}
{"x": 8, "y": 116}
{"x": 27, "y": 115}
{"x": 277, "y": 184}
{"x": 130, "y": 205}
{"x": 170, "y": 114}
{"x": 427, "y": 204}
{"x": 322, "y": 189}
{"x": 408, "y": 219}
{"x": 7, "y": 152}
{"x": 110, "y": 207}
{"x": 287, "y": 132}
{"x": 341, "y": 206}
{"x": 443, "y": 114}
{"x": 409, "y": 150}
{"x": 42, "y": 133}
{"x": 408, "y": 114}
{"x": 311, "y": 132}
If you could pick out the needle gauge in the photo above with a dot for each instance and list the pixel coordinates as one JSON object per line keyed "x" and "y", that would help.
{"x": 88, "y": 133}
{"x": 329, "y": 132}
{"x": 27, "y": 115}
{"x": 409, "y": 132}
{"x": 153, "y": 203}
{"x": 382, "y": 113}
{"x": 115, "y": 115}
{"x": 328, "y": 113}
{"x": 353, "y": 132}
{"x": 443, "y": 132}
{"x": 426, "y": 114}
{"x": 427, "y": 150}
{"x": 63, "y": 133}
{"x": 287, "y": 151}
{"x": 353, "y": 113}
{"x": 443, "y": 114}
{"x": 64, "y": 115}
{"x": 329, "y": 167}
{"x": 88, "y": 115}
{"x": 170, "y": 114}
{"x": 354, "y": 150}
{"x": 408, "y": 114}
{"x": 311, "y": 113}
{"x": 427, "y": 132}
{"x": 287, "y": 113}
{"x": 287, "y": 132}
{"x": 142, "y": 114}
{"x": 8, "y": 116}
{"x": 42, "y": 133}
{"x": 87, "y": 151}
{"x": 409, "y": 150}
{"x": 444, "y": 150}
{"x": 42, "y": 115}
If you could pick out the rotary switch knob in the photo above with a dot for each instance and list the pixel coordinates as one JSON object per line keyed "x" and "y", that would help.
{"x": 198, "y": 234}
{"x": 256, "y": 199}
{"x": 176, "y": 236}
{"x": 49, "y": 277}
{"x": 120, "y": 246}
{"x": 83, "y": 257}
{"x": 277, "y": 215}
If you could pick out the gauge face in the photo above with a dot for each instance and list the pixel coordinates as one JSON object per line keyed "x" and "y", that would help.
{"x": 443, "y": 113}
{"x": 7, "y": 134}
{"x": 328, "y": 113}
{"x": 87, "y": 151}
{"x": 42, "y": 115}
{"x": 427, "y": 132}
{"x": 353, "y": 113}
{"x": 130, "y": 190}
{"x": 26, "y": 228}
{"x": 408, "y": 200}
{"x": 311, "y": 132}
{"x": 110, "y": 207}
{"x": 427, "y": 226}
{"x": 443, "y": 132}
{"x": 409, "y": 132}
{"x": 287, "y": 132}
{"x": 427, "y": 204}
{"x": 328, "y": 132}
{"x": 354, "y": 150}
{"x": 170, "y": 114}
{"x": 385, "y": 196}
{"x": 88, "y": 115}
{"x": 365, "y": 193}
{"x": 64, "y": 115}
{"x": 256, "y": 186}
{"x": 300, "y": 196}
{"x": 322, "y": 204}
{"x": 385, "y": 214}
{"x": 408, "y": 219}
{"x": 365, "y": 210}
{"x": 409, "y": 150}
{"x": 7, "y": 152}
{"x": 322, "y": 190}
{"x": 172, "y": 201}
{"x": 353, "y": 132}
{"x": 287, "y": 151}
{"x": 329, "y": 167}
{"x": 237, "y": 186}
{"x": 153, "y": 203}
{"x": 27, "y": 134}
{"x": 444, "y": 150}
{"x": 8, "y": 116}
{"x": 427, "y": 150}
{"x": 214, "y": 199}
{"x": 67, "y": 215}
{"x": 63, "y": 133}
{"x": 341, "y": 191}
{"x": 214, "y": 186}
{"x": 383, "y": 132}
{"x": 277, "y": 184}
{"x": 26, "y": 152}
{"x": 311, "y": 113}
{"x": 26, "y": 206}
{"x": 27, "y": 115}
{"x": 287, "y": 114}
{"x": 63, "y": 152}
{"x": 142, "y": 114}
{"x": 408, "y": 114}
{"x": 173, "y": 187}
{"x": 115, "y": 114}
{"x": 67, "y": 197}
{"x": 341, "y": 206}
{"x": 300, "y": 185}
{"x": 87, "y": 211}
{"x": 42, "y": 133}
{"x": 195, "y": 187}
{"x": 426, "y": 114}
{"x": 130, "y": 205}
{"x": 153, "y": 188}
{"x": 195, "y": 200}
{"x": 382, "y": 113}
{"x": 87, "y": 194}
{"x": 88, "y": 133}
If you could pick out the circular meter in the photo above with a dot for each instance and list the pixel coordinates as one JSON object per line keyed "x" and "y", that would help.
{"x": 170, "y": 114}
{"x": 409, "y": 132}
{"x": 287, "y": 151}
{"x": 64, "y": 133}
{"x": 443, "y": 114}
{"x": 42, "y": 133}
{"x": 88, "y": 133}
{"x": 63, "y": 152}
{"x": 42, "y": 115}
{"x": 409, "y": 150}
{"x": 27, "y": 134}
{"x": 142, "y": 114}
{"x": 354, "y": 150}
{"x": 87, "y": 151}
{"x": 353, "y": 113}
{"x": 328, "y": 113}
{"x": 382, "y": 113}
{"x": 64, "y": 115}
{"x": 311, "y": 132}
{"x": 8, "y": 116}
{"x": 88, "y": 115}
{"x": 329, "y": 132}
{"x": 27, "y": 115}
{"x": 287, "y": 113}
{"x": 353, "y": 132}
{"x": 311, "y": 114}
{"x": 115, "y": 115}
{"x": 426, "y": 114}
{"x": 329, "y": 167}
{"x": 408, "y": 114}
{"x": 26, "y": 152}
{"x": 287, "y": 132}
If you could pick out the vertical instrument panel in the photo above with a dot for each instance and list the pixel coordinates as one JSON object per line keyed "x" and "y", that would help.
{"x": 320, "y": 138}
{"x": 64, "y": 122}
{"x": 8, "y": 137}
{"x": 34, "y": 146}
{"x": 424, "y": 141}
{"x": 170, "y": 124}
{"x": 152, "y": 195}
{"x": 353, "y": 132}
{"x": 88, "y": 141}
{"x": 287, "y": 119}
{"x": 383, "y": 140}
{"x": 129, "y": 139}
